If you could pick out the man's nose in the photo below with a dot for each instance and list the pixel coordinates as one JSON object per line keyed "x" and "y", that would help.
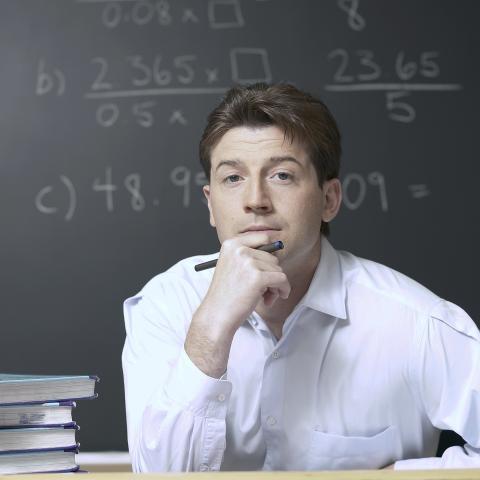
{"x": 257, "y": 198}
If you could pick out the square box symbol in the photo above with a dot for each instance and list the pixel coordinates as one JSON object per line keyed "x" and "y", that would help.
{"x": 250, "y": 65}
{"x": 225, "y": 14}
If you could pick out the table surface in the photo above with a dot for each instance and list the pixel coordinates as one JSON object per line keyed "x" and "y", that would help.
{"x": 459, "y": 474}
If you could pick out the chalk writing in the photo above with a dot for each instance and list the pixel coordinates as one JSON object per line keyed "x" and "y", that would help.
{"x": 225, "y": 14}
{"x": 221, "y": 14}
{"x": 139, "y": 13}
{"x": 419, "y": 191}
{"x": 41, "y": 199}
{"x": 354, "y": 19}
{"x": 361, "y": 72}
{"x": 158, "y": 76}
{"x": 187, "y": 183}
{"x": 107, "y": 187}
{"x": 49, "y": 81}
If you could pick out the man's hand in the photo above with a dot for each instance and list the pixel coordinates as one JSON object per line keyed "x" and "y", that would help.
{"x": 243, "y": 277}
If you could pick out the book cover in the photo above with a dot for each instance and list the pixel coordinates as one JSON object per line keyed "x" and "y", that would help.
{"x": 39, "y": 462}
{"x": 37, "y": 438}
{"x": 17, "y": 389}
{"x": 45, "y": 414}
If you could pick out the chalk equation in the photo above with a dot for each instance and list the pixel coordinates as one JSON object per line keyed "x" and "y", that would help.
{"x": 60, "y": 198}
{"x": 217, "y": 14}
{"x": 360, "y": 71}
{"x": 144, "y": 79}
{"x": 154, "y": 74}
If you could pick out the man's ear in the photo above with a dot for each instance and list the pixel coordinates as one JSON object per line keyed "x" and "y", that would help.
{"x": 332, "y": 196}
{"x": 206, "y": 192}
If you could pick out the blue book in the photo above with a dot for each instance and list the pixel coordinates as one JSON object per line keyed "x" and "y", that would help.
{"x": 15, "y": 389}
{"x": 36, "y": 414}
{"x": 62, "y": 460}
{"x": 37, "y": 438}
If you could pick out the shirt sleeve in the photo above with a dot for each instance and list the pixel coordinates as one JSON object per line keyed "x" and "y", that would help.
{"x": 175, "y": 413}
{"x": 445, "y": 372}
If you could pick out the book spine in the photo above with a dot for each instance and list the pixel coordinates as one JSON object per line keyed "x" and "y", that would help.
{"x": 40, "y": 402}
{"x": 66, "y": 448}
{"x": 37, "y": 426}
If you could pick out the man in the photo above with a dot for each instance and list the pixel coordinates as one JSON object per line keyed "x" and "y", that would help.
{"x": 305, "y": 359}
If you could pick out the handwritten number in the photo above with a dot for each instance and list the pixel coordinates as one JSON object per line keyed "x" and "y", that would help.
{"x": 142, "y": 13}
{"x": 143, "y": 116}
{"x": 340, "y": 73}
{"x": 182, "y": 63}
{"x": 429, "y": 68}
{"x": 132, "y": 184}
{"x": 399, "y": 111}
{"x": 99, "y": 82}
{"x": 108, "y": 187}
{"x": 180, "y": 177}
{"x": 366, "y": 60}
{"x": 405, "y": 70}
{"x": 107, "y": 114}
{"x": 355, "y": 20}
{"x": 146, "y": 73}
{"x": 112, "y": 15}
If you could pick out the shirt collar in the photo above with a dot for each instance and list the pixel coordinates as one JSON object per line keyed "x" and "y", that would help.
{"x": 327, "y": 291}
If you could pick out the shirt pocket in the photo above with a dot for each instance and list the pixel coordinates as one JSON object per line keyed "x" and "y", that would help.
{"x": 327, "y": 451}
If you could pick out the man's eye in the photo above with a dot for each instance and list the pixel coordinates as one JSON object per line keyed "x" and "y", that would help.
{"x": 232, "y": 179}
{"x": 284, "y": 176}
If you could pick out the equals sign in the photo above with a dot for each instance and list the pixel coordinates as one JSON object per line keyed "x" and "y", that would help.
{"x": 419, "y": 191}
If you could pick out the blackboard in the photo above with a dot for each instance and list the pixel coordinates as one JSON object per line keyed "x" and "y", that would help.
{"x": 102, "y": 105}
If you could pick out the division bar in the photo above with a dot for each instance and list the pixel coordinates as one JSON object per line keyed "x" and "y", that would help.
{"x": 366, "y": 87}
{"x": 103, "y": 1}
{"x": 152, "y": 92}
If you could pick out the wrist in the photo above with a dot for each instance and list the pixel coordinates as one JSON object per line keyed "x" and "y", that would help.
{"x": 208, "y": 347}
{"x": 217, "y": 326}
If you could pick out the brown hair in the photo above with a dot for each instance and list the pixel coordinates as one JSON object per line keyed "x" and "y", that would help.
{"x": 300, "y": 115}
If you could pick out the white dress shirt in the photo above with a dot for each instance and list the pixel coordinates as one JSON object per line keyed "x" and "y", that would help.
{"x": 370, "y": 367}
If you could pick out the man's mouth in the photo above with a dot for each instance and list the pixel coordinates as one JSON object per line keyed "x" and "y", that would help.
{"x": 259, "y": 228}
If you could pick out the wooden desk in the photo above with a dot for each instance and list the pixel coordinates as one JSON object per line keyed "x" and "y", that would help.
{"x": 333, "y": 475}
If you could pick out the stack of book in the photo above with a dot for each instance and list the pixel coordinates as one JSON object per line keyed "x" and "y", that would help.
{"x": 37, "y": 431}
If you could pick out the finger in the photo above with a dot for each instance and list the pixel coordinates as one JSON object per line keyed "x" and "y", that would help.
{"x": 252, "y": 240}
{"x": 264, "y": 266}
{"x": 264, "y": 256}
{"x": 277, "y": 280}
{"x": 270, "y": 296}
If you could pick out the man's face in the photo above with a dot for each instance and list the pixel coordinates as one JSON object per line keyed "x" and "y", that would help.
{"x": 261, "y": 181}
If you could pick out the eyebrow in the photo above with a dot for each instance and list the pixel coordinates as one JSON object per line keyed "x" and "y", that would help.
{"x": 272, "y": 160}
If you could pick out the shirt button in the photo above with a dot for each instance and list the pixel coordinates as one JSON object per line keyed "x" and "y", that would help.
{"x": 275, "y": 354}
{"x": 271, "y": 420}
{"x": 254, "y": 322}
{"x": 221, "y": 397}
{"x": 204, "y": 467}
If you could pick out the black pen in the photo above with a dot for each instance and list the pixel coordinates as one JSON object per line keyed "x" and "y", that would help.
{"x": 270, "y": 248}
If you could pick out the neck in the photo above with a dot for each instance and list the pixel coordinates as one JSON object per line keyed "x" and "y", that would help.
{"x": 300, "y": 277}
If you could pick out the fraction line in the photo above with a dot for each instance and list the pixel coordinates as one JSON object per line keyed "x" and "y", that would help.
{"x": 103, "y": 1}
{"x": 155, "y": 91}
{"x": 364, "y": 87}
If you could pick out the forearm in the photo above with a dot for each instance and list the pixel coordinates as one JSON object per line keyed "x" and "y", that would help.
{"x": 208, "y": 342}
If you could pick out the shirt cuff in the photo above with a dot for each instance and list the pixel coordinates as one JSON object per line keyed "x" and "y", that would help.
{"x": 193, "y": 390}
{"x": 418, "y": 464}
